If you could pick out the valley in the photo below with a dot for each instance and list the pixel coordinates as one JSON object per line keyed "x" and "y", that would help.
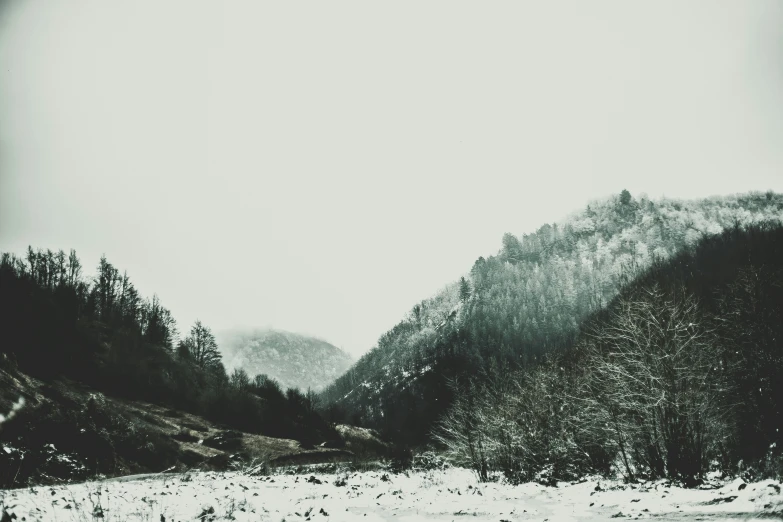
{"x": 631, "y": 352}
{"x": 391, "y": 261}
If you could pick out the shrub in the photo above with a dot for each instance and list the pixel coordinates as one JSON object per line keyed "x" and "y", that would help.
{"x": 429, "y": 461}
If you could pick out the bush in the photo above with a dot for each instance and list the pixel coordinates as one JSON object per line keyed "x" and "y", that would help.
{"x": 429, "y": 461}
{"x": 522, "y": 425}
{"x": 401, "y": 459}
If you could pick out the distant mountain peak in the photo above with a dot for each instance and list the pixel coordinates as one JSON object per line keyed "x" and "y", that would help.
{"x": 294, "y": 360}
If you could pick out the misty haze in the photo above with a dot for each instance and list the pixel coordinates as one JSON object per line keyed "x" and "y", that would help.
{"x": 402, "y": 261}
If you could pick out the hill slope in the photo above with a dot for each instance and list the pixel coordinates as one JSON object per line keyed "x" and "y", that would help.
{"x": 524, "y": 302}
{"x": 99, "y": 336}
{"x": 64, "y": 430}
{"x": 681, "y": 374}
{"x": 294, "y": 360}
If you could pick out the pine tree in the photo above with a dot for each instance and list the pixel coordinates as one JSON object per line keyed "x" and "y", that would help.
{"x": 464, "y": 290}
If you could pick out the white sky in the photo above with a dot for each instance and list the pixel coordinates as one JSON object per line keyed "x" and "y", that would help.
{"x": 322, "y": 166}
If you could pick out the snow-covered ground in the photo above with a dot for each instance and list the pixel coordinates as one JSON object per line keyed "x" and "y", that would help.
{"x": 372, "y": 496}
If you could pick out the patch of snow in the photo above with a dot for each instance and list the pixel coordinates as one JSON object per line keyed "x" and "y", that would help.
{"x": 421, "y": 495}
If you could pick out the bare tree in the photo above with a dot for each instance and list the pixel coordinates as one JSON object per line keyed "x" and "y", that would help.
{"x": 659, "y": 383}
{"x": 240, "y": 380}
{"x": 648, "y": 389}
{"x": 526, "y": 425}
{"x": 202, "y": 347}
{"x": 461, "y": 431}
{"x": 74, "y": 269}
{"x": 312, "y": 401}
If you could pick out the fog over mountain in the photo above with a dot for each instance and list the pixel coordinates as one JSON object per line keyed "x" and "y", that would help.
{"x": 532, "y": 253}
{"x": 294, "y": 360}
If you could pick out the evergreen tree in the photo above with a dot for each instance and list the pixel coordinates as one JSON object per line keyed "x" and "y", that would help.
{"x": 464, "y": 290}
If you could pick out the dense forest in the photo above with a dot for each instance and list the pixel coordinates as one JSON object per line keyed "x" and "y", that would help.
{"x": 57, "y": 323}
{"x": 681, "y": 374}
{"x": 524, "y": 303}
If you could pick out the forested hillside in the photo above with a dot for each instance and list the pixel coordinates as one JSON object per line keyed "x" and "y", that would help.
{"x": 59, "y": 324}
{"x": 527, "y": 301}
{"x": 681, "y": 374}
{"x": 293, "y": 360}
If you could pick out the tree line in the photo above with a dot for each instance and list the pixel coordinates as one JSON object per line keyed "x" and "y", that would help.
{"x": 57, "y": 322}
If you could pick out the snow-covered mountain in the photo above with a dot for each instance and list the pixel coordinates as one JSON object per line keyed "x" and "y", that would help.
{"x": 526, "y": 301}
{"x": 294, "y": 360}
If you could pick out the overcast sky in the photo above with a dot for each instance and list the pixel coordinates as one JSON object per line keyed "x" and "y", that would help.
{"x": 321, "y": 167}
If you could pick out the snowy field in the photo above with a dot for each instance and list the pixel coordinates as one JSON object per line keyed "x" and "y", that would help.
{"x": 453, "y": 494}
